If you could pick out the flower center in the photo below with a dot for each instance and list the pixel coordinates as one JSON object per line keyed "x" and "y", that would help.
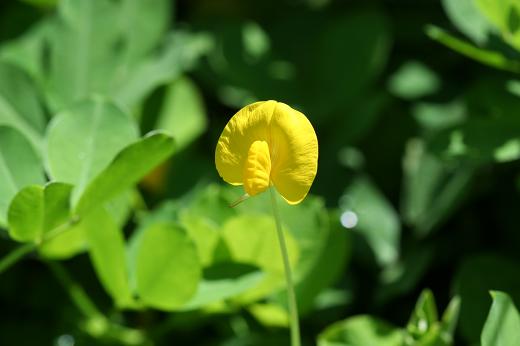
{"x": 257, "y": 168}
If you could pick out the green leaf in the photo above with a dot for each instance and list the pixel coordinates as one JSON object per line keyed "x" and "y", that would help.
{"x": 327, "y": 268}
{"x": 25, "y": 51}
{"x": 182, "y": 113}
{"x": 94, "y": 47}
{"x": 203, "y": 232}
{"x": 222, "y": 281}
{"x": 450, "y": 318}
{"x": 361, "y": 331}
{"x": 432, "y": 189}
{"x": 130, "y": 165}
{"x": 81, "y": 54}
{"x": 424, "y": 316}
{"x": 413, "y": 80}
{"x": 307, "y": 222}
{"x": 485, "y": 56}
{"x": 373, "y": 217}
{"x": 108, "y": 254}
{"x": 74, "y": 240}
{"x": 475, "y": 277}
{"x": 174, "y": 282}
{"x": 65, "y": 245}
{"x": 19, "y": 105}
{"x": 84, "y": 139}
{"x": 465, "y": 14}
{"x": 142, "y": 24}
{"x": 434, "y": 116}
{"x": 270, "y": 315}
{"x": 252, "y": 239}
{"x": 495, "y": 11}
{"x": 36, "y": 210}
{"x": 202, "y": 212}
{"x": 19, "y": 167}
{"x": 178, "y": 53}
{"x": 502, "y": 327}
{"x": 505, "y": 15}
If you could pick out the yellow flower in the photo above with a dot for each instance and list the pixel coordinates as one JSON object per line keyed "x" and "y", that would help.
{"x": 269, "y": 143}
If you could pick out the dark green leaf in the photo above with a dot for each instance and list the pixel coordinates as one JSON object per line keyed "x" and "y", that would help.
{"x": 366, "y": 210}
{"x": 475, "y": 277}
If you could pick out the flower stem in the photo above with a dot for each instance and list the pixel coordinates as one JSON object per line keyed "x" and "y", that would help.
{"x": 293, "y": 308}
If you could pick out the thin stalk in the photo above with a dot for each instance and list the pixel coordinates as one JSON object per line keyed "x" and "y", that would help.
{"x": 97, "y": 325}
{"x": 20, "y": 252}
{"x": 14, "y": 256}
{"x": 293, "y": 308}
{"x": 75, "y": 291}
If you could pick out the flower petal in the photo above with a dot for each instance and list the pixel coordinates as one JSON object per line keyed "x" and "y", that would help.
{"x": 257, "y": 169}
{"x": 292, "y": 144}
{"x": 249, "y": 124}
{"x": 294, "y": 153}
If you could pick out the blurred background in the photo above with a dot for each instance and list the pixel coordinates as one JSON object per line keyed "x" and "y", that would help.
{"x": 415, "y": 106}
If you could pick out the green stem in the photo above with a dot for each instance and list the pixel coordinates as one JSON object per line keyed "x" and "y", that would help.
{"x": 75, "y": 291}
{"x": 20, "y": 252}
{"x": 97, "y": 325}
{"x": 15, "y": 255}
{"x": 293, "y": 308}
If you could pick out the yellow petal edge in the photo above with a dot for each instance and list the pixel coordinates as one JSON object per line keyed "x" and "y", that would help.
{"x": 267, "y": 143}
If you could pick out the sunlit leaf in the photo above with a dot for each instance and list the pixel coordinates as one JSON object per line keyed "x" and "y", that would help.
{"x": 67, "y": 244}
{"x": 502, "y": 327}
{"x": 361, "y": 331}
{"x": 108, "y": 254}
{"x": 129, "y": 166}
{"x": 19, "y": 167}
{"x": 84, "y": 139}
{"x": 466, "y": 15}
{"x": 182, "y": 114}
{"x": 222, "y": 281}
{"x": 253, "y": 240}
{"x": 178, "y": 53}
{"x": 37, "y": 209}
{"x": 424, "y": 315}
{"x": 20, "y": 107}
{"x": 174, "y": 282}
